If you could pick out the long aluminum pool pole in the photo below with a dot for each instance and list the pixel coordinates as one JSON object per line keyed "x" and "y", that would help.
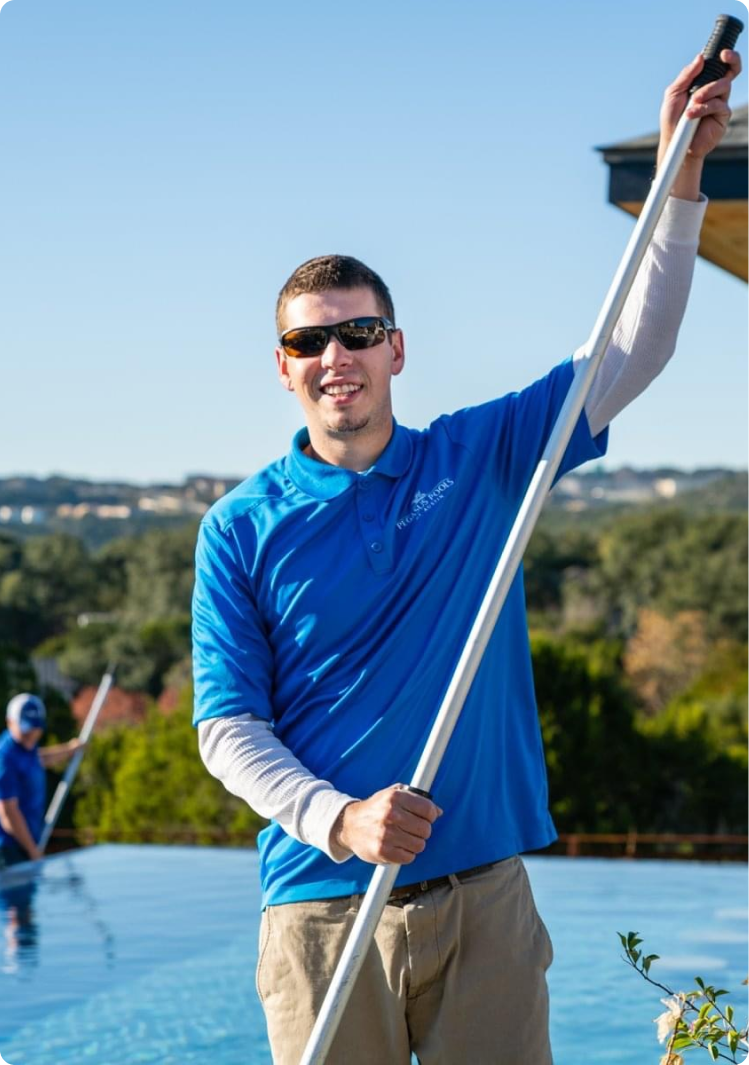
{"x": 63, "y": 788}
{"x": 384, "y": 876}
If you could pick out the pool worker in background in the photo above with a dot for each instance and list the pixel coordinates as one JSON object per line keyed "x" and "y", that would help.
{"x": 23, "y": 790}
{"x": 334, "y": 592}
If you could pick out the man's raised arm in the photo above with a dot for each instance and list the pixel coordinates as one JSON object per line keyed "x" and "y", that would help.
{"x": 645, "y": 336}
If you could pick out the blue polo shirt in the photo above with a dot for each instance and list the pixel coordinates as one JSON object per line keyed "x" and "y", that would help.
{"x": 335, "y": 604}
{"x": 22, "y": 778}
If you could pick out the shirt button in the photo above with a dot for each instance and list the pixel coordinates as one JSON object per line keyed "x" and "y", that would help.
{"x": 376, "y": 546}
{"x": 368, "y": 517}
{"x": 364, "y": 485}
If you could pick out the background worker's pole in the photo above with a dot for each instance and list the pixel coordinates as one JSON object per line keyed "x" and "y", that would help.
{"x": 63, "y": 788}
{"x": 725, "y": 34}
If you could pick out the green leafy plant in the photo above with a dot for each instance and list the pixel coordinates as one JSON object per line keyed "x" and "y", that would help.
{"x": 691, "y": 1019}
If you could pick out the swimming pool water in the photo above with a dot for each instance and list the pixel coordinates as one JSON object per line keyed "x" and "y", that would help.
{"x": 145, "y": 954}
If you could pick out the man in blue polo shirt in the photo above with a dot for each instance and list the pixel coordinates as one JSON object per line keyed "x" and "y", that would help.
{"x": 334, "y": 591}
{"x": 22, "y": 778}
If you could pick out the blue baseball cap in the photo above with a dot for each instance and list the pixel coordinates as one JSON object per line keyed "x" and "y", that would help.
{"x": 27, "y": 711}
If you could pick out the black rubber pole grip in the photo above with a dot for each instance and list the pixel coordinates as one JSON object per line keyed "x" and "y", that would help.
{"x": 724, "y": 35}
{"x": 420, "y": 791}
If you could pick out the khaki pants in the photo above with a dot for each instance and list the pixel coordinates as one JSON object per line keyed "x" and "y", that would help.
{"x": 458, "y": 976}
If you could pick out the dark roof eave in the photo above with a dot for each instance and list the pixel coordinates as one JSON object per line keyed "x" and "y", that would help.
{"x": 734, "y": 141}
{"x": 617, "y": 154}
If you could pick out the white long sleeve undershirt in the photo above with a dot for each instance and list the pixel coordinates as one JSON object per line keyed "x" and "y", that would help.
{"x": 645, "y": 336}
{"x": 244, "y": 753}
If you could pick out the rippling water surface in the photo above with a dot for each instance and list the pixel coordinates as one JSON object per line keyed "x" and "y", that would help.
{"x": 130, "y": 954}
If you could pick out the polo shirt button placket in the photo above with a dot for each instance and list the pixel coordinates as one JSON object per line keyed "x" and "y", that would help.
{"x": 365, "y": 486}
{"x": 370, "y": 526}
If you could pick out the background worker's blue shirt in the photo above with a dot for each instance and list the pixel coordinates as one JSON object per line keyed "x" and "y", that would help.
{"x": 22, "y": 778}
{"x": 336, "y": 605}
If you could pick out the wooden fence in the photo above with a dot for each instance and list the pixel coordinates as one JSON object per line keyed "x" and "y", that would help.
{"x": 571, "y": 844}
{"x": 652, "y": 845}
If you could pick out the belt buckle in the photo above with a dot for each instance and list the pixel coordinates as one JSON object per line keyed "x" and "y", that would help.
{"x": 414, "y": 890}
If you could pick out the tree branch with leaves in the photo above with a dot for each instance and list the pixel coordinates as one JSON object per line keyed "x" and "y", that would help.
{"x": 691, "y": 1019}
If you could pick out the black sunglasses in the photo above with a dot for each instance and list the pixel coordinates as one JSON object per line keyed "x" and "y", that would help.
{"x": 355, "y": 335}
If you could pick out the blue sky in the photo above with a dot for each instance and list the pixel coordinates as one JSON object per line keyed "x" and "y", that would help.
{"x": 167, "y": 164}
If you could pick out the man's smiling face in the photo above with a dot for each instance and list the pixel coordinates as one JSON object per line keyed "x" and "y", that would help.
{"x": 345, "y": 394}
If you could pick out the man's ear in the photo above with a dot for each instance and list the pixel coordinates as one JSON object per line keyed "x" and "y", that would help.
{"x": 399, "y": 352}
{"x": 283, "y": 369}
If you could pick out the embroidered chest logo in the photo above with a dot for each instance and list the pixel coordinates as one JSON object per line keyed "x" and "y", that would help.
{"x": 425, "y": 501}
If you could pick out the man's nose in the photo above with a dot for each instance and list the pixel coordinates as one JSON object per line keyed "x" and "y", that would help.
{"x": 335, "y": 355}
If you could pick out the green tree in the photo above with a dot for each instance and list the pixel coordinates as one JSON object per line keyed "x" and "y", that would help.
{"x": 142, "y": 654}
{"x": 158, "y": 787}
{"x": 160, "y": 575}
{"x": 587, "y": 722}
{"x": 670, "y": 561}
{"x": 550, "y": 557}
{"x": 82, "y": 652}
{"x": 693, "y": 774}
{"x": 16, "y": 674}
{"x": 52, "y": 585}
{"x": 94, "y": 785}
{"x": 111, "y": 568}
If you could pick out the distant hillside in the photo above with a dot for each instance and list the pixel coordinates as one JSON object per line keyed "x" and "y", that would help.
{"x": 594, "y": 487}
{"x": 726, "y": 493}
{"x": 98, "y": 512}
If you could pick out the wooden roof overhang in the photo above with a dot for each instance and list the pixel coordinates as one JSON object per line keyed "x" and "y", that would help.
{"x": 724, "y": 233}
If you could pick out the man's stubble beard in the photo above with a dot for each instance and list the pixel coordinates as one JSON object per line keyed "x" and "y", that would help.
{"x": 350, "y": 424}
{"x": 348, "y": 427}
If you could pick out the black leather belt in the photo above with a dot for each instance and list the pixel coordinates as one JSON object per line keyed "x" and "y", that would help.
{"x": 401, "y": 896}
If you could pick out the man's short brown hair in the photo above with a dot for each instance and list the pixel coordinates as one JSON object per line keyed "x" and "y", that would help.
{"x": 329, "y": 272}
